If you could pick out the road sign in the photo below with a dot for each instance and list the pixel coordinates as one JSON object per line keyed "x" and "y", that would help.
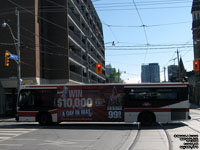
{"x": 12, "y": 56}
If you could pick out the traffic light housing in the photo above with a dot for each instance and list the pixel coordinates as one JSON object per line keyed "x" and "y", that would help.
{"x": 196, "y": 66}
{"x": 99, "y": 68}
{"x": 7, "y": 59}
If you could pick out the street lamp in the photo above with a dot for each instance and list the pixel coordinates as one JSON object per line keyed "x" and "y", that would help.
{"x": 17, "y": 45}
{"x": 4, "y": 25}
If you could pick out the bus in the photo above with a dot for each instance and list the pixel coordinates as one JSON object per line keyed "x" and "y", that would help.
{"x": 144, "y": 103}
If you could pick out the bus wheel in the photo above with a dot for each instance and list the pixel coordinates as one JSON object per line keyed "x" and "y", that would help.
{"x": 44, "y": 119}
{"x": 147, "y": 118}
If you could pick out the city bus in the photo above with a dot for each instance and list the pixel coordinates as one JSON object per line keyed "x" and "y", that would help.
{"x": 129, "y": 103}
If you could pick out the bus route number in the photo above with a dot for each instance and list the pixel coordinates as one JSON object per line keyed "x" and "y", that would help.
{"x": 114, "y": 114}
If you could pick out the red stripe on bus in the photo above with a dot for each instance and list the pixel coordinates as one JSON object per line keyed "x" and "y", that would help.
{"x": 27, "y": 114}
{"x": 54, "y": 111}
{"x": 154, "y": 109}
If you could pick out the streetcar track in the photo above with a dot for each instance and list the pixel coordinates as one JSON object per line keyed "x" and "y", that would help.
{"x": 193, "y": 129}
{"x": 188, "y": 125}
{"x": 138, "y": 135}
{"x": 168, "y": 137}
{"x": 120, "y": 145}
{"x": 197, "y": 119}
{"x": 135, "y": 140}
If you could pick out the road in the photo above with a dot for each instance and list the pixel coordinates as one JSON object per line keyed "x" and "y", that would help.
{"x": 98, "y": 136}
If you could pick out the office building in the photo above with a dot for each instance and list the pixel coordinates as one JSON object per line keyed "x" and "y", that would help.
{"x": 61, "y": 42}
{"x": 150, "y": 73}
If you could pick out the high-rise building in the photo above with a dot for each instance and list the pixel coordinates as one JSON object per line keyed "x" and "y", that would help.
{"x": 61, "y": 42}
{"x": 145, "y": 74}
{"x": 150, "y": 73}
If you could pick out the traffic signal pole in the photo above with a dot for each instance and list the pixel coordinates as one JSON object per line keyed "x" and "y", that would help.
{"x": 18, "y": 52}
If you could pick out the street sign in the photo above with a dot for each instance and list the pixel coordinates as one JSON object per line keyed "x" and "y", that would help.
{"x": 12, "y": 56}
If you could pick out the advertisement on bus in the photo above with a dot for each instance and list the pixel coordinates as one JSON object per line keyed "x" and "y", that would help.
{"x": 89, "y": 104}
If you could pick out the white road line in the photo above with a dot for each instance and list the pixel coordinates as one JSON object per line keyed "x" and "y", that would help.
{"x": 23, "y": 139}
{"x": 75, "y": 146}
{"x": 81, "y": 140}
{"x": 11, "y": 145}
{"x": 2, "y": 138}
{"x": 13, "y": 134}
{"x": 15, "y": 129}
{"x": 9, "y": 134}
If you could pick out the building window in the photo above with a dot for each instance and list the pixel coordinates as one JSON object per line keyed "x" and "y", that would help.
{"x": 196, "y": 16}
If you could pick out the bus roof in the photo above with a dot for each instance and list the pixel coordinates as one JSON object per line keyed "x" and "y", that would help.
{"x": 54, "y": 86}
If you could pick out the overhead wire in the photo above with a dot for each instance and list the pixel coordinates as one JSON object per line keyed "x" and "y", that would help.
{"x": 144, "y": 28}
{"x": 147, "y": 26}
{"x": 111, "y": 29}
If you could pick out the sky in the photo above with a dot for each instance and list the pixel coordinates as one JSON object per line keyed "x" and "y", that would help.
{"x": 146, "y": 31}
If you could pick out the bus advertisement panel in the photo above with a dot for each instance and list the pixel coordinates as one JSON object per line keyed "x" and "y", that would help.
{"x": 92, "y": 104}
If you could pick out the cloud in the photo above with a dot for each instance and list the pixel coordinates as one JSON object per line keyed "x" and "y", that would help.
{"x": 132, "y": 80}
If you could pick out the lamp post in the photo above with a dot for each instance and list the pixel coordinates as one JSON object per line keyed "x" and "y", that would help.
{"x": 17, "y": 45}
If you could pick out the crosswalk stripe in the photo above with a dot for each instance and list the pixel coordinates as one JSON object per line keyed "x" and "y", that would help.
{"x": 11, "y": 145}
{"x": 14, "y": 134}
{"x": 21, "y": 129}
{"x": 2, "y": 137}
{"x": 14, "y": 131}
{"x": 7, "y": 133}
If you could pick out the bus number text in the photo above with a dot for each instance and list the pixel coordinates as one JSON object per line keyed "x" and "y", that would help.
{"x": 114, "y": 114}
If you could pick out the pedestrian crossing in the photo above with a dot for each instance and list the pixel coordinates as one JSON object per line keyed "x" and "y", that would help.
{"x": 10, "y": 133}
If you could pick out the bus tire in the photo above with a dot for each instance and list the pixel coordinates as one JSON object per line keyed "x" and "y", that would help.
{"x": 44, "y": 119}
{"x": 146, "y": 118}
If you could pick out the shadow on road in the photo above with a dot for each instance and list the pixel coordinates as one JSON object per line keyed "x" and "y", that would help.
{"x": 93, "y": 126}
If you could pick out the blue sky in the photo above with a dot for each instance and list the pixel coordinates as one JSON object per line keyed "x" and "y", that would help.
{"x": 167, "y": 28}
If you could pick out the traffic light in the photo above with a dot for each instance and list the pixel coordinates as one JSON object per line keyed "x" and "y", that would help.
{"x": 98, "y": 67}
{"x": 7, "y": 59}
{"x": 196, "y": 65}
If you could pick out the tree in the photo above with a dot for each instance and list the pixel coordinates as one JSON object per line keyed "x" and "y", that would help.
{"x": 114, "y": 77}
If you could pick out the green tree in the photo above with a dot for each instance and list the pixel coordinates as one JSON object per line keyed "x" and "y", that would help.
{"x": 114, "y": 77}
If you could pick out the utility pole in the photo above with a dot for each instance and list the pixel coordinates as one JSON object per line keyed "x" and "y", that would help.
{"x": 164, "y": 74}
{"x": 18, "y": 52}
{"x": 178, "y": 64}
{"x": 118, "y": 75}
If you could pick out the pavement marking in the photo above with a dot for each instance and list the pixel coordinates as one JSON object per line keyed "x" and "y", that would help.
{"x": 2, "y": 137}
{"x": 6, "y": 131}
{"x": 76, "y": 146}
{"x": 13, "y": 134}
{"x": 9, "y": 134}
{"x": 81, "y": 140}
{"x": 65, "y": 143}
{"x": 11, "y": 145}
{"x": 23, "y": 139}
{"x": 49, "y": 142}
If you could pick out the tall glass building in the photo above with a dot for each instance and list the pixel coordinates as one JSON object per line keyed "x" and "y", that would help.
{"x": 150, "y": 73}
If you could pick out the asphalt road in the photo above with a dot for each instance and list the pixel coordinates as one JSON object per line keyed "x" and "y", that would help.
{"x": 100, "y": 136}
